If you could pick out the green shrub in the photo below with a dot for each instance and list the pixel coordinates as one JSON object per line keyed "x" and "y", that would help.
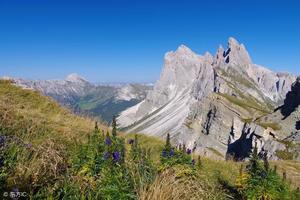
{"x": 261, "y": 182}
{"x": 171, "y": 156}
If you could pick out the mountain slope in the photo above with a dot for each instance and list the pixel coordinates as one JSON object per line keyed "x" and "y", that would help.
{"x": 37, "y": 135}
{"x": 211, "y": 102}
{"x": 107, "y": 101}
{"x": 43, "y": 142}
{"x": 84, "y": 97}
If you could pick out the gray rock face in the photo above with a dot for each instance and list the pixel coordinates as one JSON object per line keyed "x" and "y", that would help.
{"x": 287, "y": 118}
{"x": 292, "y": 101}
{"x": 212, "y": 102}
{"x": 236, "y": 54}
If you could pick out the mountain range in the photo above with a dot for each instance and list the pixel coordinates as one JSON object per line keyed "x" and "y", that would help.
{"x": 78, "y": 94}
{"x": 220, "y": 105}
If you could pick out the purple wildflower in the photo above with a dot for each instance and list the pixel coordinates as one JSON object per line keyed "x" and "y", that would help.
{"x": 107, "y": 141}
{"x": 164, "y": 153}
{"x": 172, "y": 152}
{"x": 193, "y": 162}
{"x": 28, "y": 146}
{"x": 106, "y": 155}
{"x": 116, "y": 156}
{"x": 188, "y": 151}
{"x": 130, "y": 141}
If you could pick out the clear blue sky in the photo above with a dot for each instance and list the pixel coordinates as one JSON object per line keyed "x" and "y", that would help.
{"x": 125, "y": 41}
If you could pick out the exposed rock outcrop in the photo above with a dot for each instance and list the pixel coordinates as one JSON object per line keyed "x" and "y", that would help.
{"x": 292, "y": 100}
{"x": 213, "y": 102}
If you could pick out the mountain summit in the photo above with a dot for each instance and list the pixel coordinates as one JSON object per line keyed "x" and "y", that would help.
{"x": 74, "y": 77}
{"x": 211, "y": 102}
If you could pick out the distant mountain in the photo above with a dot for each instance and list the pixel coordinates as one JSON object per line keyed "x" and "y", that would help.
{"x": 214, "y": 103}
{"x": 81, "y": 96}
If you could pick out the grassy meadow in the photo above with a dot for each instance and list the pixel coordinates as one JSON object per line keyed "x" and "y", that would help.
{"x": 50, "y": 153}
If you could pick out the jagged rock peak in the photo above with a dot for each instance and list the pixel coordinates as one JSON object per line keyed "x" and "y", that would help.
{"x": 74, "y": 77}
{"x": 183, "y": 49}
{"x": 236, "y": 53}
{"x": 208, "y": 57}
{"x": 219, "y": 56}
{"x": 232, "y": 42}
{"x": 220, "y": 52}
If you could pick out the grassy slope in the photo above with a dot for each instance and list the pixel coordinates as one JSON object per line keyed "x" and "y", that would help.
{"x": 52, "y": 131}
{"x": 227, "y": 169}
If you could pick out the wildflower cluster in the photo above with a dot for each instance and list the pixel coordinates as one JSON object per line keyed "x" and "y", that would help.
{"x": 259, "y": 181}
{"x": 102, "y": 161}
{"x": 114, "y": 150}
{"x": 173, "y": 156}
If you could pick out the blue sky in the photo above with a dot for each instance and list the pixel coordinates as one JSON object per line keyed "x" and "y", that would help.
{"x": 125, "y": 41}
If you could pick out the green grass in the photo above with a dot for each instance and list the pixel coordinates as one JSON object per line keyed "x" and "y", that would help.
{"x": 52, "y": 131}
{"x": 237, "y": 77}
{"x": 154, "y": 144}
{"x": 246, "y": 104}
{"x": 247, "y": 101}
{"x": 56, "y": 137}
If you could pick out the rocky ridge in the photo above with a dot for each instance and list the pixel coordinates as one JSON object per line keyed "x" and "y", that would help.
{"x": 214, "y": 103}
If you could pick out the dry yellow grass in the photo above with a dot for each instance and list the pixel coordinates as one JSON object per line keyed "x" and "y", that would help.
{"x": 38, "y": 114}
{"x": 292, "y": 169}
{"x": 171, "y": 184}
{"x": 51, "y": 132}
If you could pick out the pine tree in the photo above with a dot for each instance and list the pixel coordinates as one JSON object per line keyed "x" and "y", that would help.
{"x": 114, "y": 126}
